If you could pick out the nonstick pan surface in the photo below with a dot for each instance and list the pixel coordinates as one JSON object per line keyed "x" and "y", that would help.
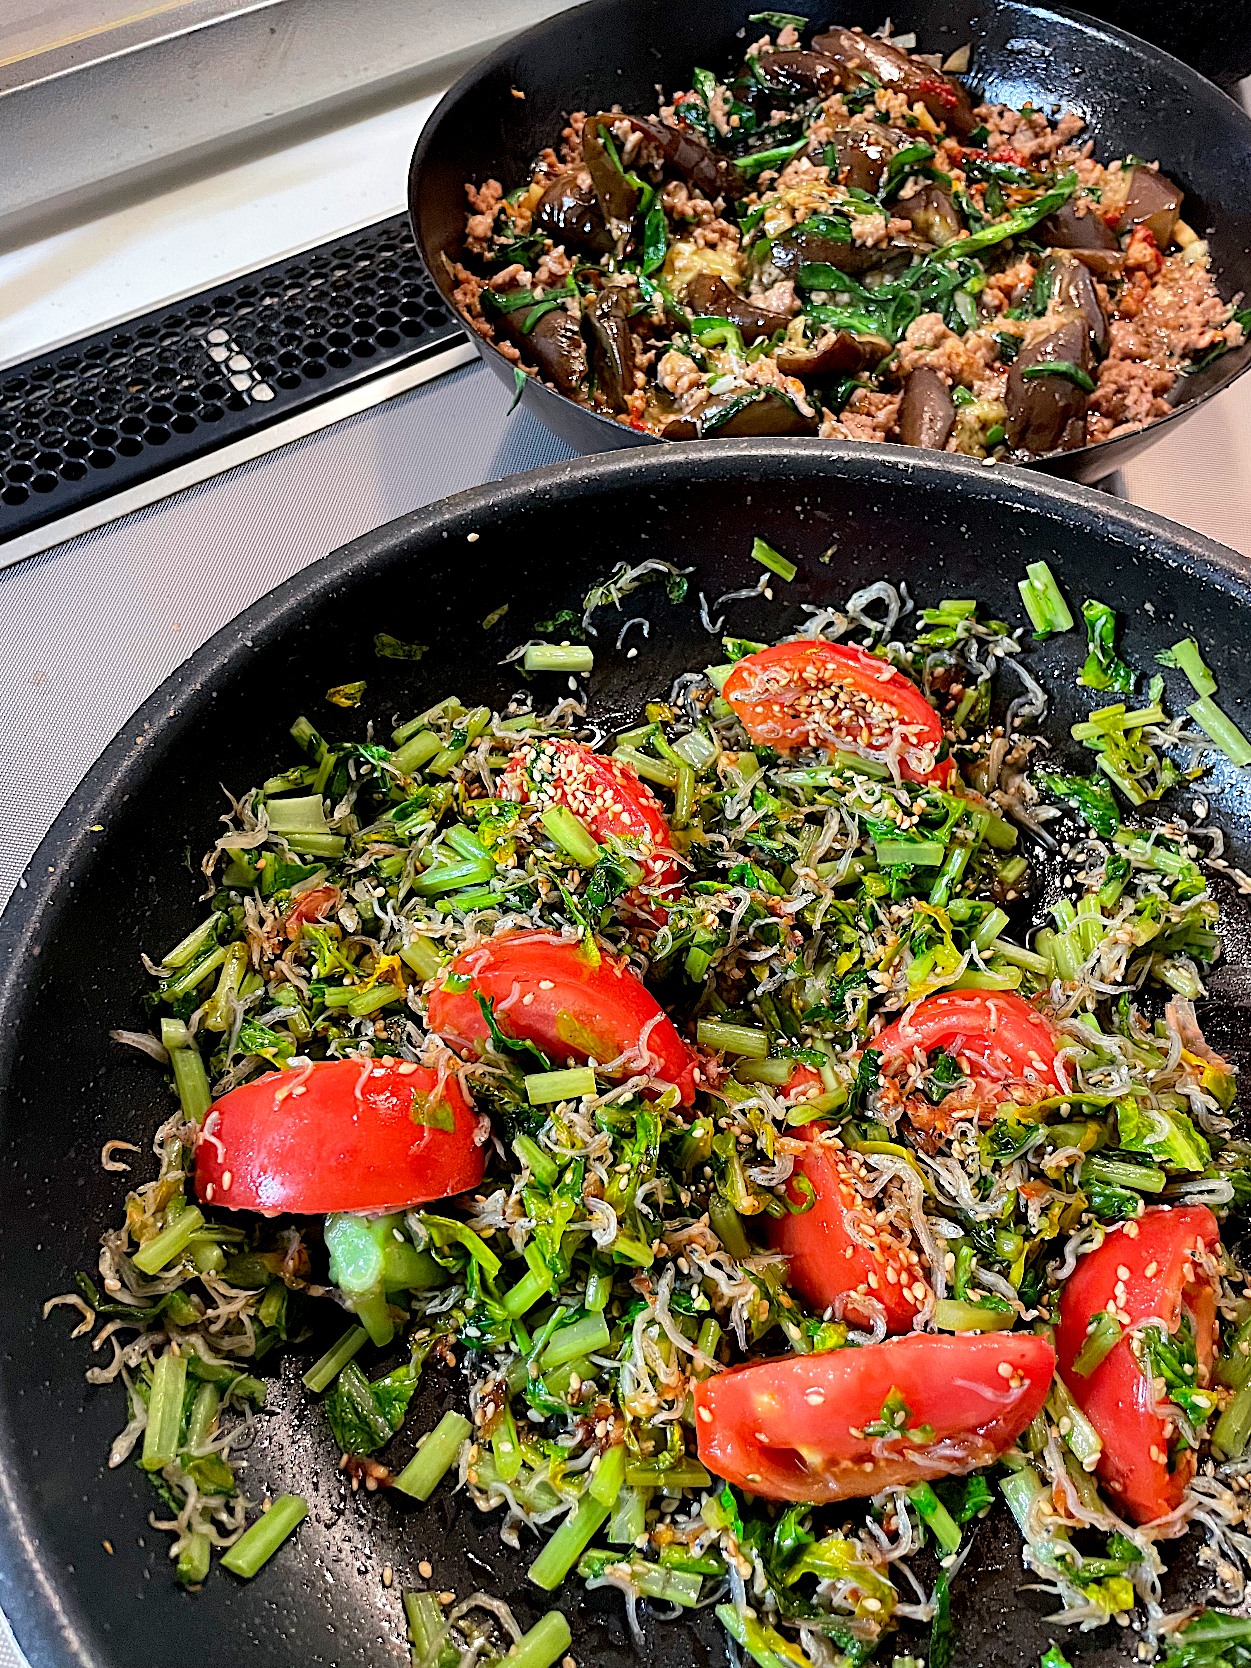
{"x": 115, "y": 877}
{"x": 1137, "y": 100}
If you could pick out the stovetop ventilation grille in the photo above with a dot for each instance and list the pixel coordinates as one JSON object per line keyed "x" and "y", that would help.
{"x": 96, "y": 416}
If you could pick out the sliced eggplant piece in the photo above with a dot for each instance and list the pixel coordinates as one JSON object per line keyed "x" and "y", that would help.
{"x": 1067, "y": 282}
{"x": 931, "y": 213}
{"x": 1048, "y": 413}
{"x": 799, "y": 248}
{"x": 927, "y": 412}
{"x": 834, "y": 353}
{"x": 864, "y": 154}
{"x": 569, "y": 212}
{"x": 607, "y": 319}
{"x": 1154, "y": 202}
{"x": 946, "y": 100}
{"x": 681, "y": 152}
{"x": 1088, "y": 235}
{"x": 756, "y": 411}
{"x": 556, "y": 346}
{"x": 810, "y": 73}
{"x": 714, "y": 298}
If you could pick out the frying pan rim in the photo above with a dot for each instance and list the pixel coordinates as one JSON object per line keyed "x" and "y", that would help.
{"x": 47, "y": 1628}
{"x": 503, "y": 367}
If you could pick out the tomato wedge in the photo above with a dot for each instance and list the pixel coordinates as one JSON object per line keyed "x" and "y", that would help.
{"x": 836, "y": 697}
{"x": 828, "y": 1260}
{"x": 1155, "y": 1267}
{"x": 549, "y": 991}
{"x": 604, "y": 794}
{"x": 342, "y": 1135}
{"x": 1005, "y": 1048}
{"x": 811, "y": 1427}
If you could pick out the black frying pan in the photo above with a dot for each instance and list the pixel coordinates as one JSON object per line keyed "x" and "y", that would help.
{"x": 1136, "y": 100}
{"x": 114, "y": 878}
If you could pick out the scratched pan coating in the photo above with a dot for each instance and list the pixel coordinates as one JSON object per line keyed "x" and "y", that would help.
{"x": 112, "y": 879}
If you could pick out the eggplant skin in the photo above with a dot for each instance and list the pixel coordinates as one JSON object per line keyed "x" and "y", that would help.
{"x": 712, "y": 297}
{"x": 557, "y": 348}
{"x": 802, "y": 72}
{"x": 864, "y": 154}
{"x": 1153, "y": 201}
{"x": 931, "y": 214}
{"x": 927, "y": 412}
{"x": 761, "y": 412}
{"x": 1089, "y": 237}
{"x": 834, "y": 353}
{"x": 1048, "y": 413}
{"x": 946, "y": 100}
{"x": 607, "y": 320}
{"x": 570, "y": 214}
{"x": 1070, "y": 285}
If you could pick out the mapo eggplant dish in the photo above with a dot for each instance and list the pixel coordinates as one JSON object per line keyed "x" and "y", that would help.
{"x": 835, "y": 241}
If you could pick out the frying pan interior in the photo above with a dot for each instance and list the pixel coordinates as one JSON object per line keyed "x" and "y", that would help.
{"x": 1135, "y": 98}
{"x": 82, "y": 1577}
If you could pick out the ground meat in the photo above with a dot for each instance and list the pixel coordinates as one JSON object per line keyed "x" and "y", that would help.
{"x": 719, "y": 109}
{"x": 778, "y": 298}
{"x": 465, "y": 295}
{"x": 554, "y": 267}
{"x": 1158, "y": 327}
{"x": 957, "y": 359}
{"x": 1032, "y": 136}
{"x": 571, "y": 138}
{"x": 679, "y": 373}
{"x": 484, "y": 201}
{"x": 1008, "y": 288}
{"x": 866, "y": 416}
{"x": 764, "y": 373}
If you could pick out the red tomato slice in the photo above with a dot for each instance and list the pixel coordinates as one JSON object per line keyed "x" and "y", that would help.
{"x": 550, "y": 992}
{"x": 1006, "y": 1047}
{"x": 827, "y": 1260}
{"x": 1154, "y": 1267}
{"x": 310, "y": 906}
{"x": 795, "y": 1428}
{"x": 834, "y": 696}
{"x": 339, "y": 1135}
{"x": 602, "y": 793}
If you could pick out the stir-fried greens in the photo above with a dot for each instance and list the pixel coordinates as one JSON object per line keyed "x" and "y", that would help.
{"x": 828, "y": 238}
{"x": 597, "y": 1093}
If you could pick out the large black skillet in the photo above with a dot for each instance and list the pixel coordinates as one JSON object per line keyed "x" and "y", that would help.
{"x": 1136, "y": 100}
{"x": 117, "y": 875}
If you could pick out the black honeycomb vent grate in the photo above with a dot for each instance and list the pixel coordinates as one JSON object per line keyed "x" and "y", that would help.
{"x": 97, "y": 416}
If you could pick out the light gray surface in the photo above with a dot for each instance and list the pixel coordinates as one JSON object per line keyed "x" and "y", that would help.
{"x": 174, "y": 88}
{"x": 91, "y": 628}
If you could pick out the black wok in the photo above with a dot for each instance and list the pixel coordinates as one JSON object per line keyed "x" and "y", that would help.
{"x": 1136, "y": 100}
{"x": 114, "y": 877}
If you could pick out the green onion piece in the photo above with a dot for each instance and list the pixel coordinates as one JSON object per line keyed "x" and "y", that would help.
{"x": 1222, "y": 730}
{"x": 305, "y": 815}
{"x": 316, "y": 845}
{"x": 1187, "y": 658}
{"x": 541, "y": 1165}
{"x": 990, "y": 929}
{"x": 951, "y": 1315}
{"x": 609, "y": 1477}
{"x": 437, "y": 1454}
{"x": 1233, "y": 1370}
{"x": 451, "y": 877}
{"x": 568, "y": 1544}
{"x": 426, "y": 1626}
{"x": 687, "y": 1473}
{"x": 416, "y": 751}
{"x": 160, "y": 1437}
{"x": 764, "y": 1644}
{"x": 546, "y": 1642}
{"x": 1102, "y": 1335}
{"x": 1233, "y": 1428}
{"x": 190, "y": 1077}
{"x": 733, "y": 1039}
{"x": 1020, "y": 1489}
{"x": 1111, "y": 1172}
{"x": 922, "y": 854}
{"x": 585, "y": 1335}
{"x": 193, "y": 1560}
{"x": 171, "y": 1242}
{"x": 727, "y": 1224}
{"x": 659, "y": 771}
{"x": 322, "y": 1373}
{"x": 772, "y": 559}
{"x": 1043, "y": 600}
{"x": 1078, "y": 1432}
{"x": 258, "y": 1543}
{"x": 544, "y": 1087}
{"x": 945, "y": 1529}
{"x": 506, "y": 1447}
{"x": 572, "y": 836}
{"x": 1061, "y": 367}
{"x": 629, "y": 1520}
{"x": 551, "y": 657}
{"x": 522, "y": 1297}
{"x": 188, "y": 948}
{"x": 424, "y": 957}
